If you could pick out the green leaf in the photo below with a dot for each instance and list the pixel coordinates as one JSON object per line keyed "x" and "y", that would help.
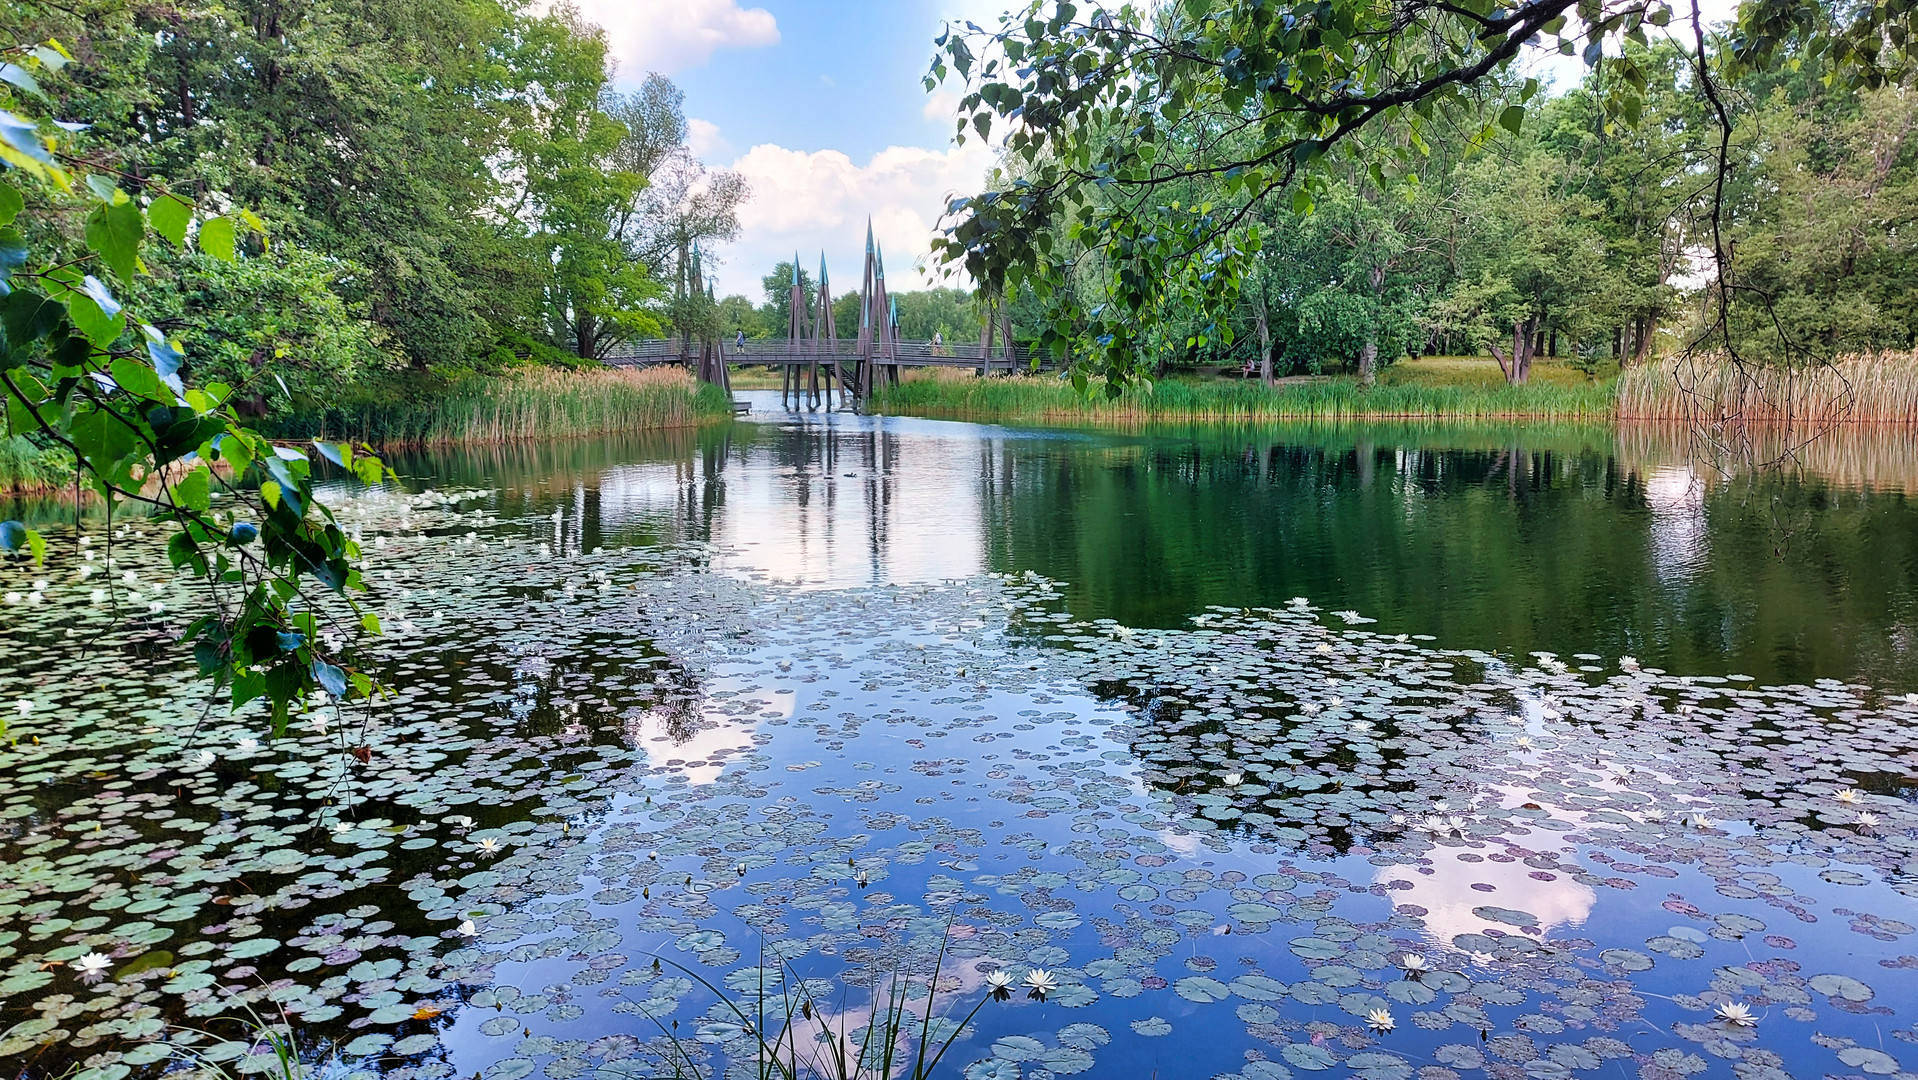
{"x": 115, "y": 231}
{"x": 136, "y": 378}
{"x": 11, "y": 203}
{"x": 190, "y": 491}
{"x": 169, "y": 215}
{"x": 20, "y": 77}
{"x": 270, "y": 492}
{"x": 216, "y": 238}
{"x": 14, "y": 536}
{"x": 370, "y": 623}
{"x": 1513, "y": 118}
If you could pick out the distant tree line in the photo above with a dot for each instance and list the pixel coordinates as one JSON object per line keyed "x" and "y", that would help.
{"x": 952, "y": 315}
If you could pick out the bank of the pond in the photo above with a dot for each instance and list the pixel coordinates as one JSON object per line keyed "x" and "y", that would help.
{"x": 27, "y": 469}
{"x": 1047, "y": 398}
{"x": 513, "y": 408}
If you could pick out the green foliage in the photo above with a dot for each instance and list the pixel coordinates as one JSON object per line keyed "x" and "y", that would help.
{"x": 274, "y": 325}
{"x": 1152, "y": 151}
{"x": 465, "y": 165}
{"x": 86, "y": 370}
{"x": 1044, "y": 398}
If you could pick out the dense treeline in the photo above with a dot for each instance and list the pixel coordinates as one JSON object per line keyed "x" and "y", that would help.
{"x": 1352, "y": 182}
{"x": 447, "y": 186}
{"x": 1584, "y": 239}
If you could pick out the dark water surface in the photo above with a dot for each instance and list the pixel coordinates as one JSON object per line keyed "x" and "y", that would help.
{"x": 1559, "y": 540}
{"x": 1242, "y": 736}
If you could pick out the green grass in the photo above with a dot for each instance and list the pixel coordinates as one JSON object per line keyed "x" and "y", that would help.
{"x": 26, "y": 469}
{"x": 1454, "y": 391}
{"x": 511, "y": 408}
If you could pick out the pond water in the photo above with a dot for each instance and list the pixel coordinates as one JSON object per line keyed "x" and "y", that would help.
{"x": 1383, "y": 752}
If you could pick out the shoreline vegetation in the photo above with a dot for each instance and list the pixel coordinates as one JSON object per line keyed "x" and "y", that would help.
{"x": 537, "y": 405}
{"x": 542, "y": 404}
{"x": 1709, "y": 391}
{"x": 546, "y": 404}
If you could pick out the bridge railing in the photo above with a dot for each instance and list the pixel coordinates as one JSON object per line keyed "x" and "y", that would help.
{"x": 763, "y": 351}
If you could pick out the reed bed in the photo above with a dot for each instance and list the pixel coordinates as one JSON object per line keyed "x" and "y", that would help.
{"x": 511, "y": 408}
{"x": 28, "y": 469}
{"x": 1044, "y": 398}
{"x": 1880, "y": 388}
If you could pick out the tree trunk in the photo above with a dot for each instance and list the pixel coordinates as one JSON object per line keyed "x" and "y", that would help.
{"x": 1517, "y": 365}
{"x": 1618, "y": 344}
{"x": 1554, "y": 352}
{"x": 1265, "y": 347}
{"x": 1369, "y": 355}
{"x": 1642, "y": 348}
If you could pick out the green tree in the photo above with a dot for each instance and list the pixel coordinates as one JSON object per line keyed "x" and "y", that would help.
{"x": 777, "y": 312}
{"x": 87, "y": 372}
{"x": 1113, "y": 117}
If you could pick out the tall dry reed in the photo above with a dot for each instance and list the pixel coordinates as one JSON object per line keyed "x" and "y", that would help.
{"x": 532, "y": 405}
{"x": 1880, "y": 388}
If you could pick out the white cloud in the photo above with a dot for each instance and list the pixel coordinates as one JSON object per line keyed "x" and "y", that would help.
{"x": 673, "y": 35}
{"x": 820, "y": 200}
{"x": 942, "y": 107}
{"x": 704, "y": 139}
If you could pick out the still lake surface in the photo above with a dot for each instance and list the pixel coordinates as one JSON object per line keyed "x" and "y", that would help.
{"x": 1552, "y": 748}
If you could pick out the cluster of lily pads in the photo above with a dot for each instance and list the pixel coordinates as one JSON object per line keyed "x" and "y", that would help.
{"x": 619, "y": 809}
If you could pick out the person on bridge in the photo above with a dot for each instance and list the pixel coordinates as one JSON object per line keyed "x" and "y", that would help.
{"x": 938, "y": 343}
{"x": 739, "y": 343}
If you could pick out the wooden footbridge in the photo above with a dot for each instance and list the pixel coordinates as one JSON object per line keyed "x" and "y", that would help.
{"x": 817, "y": 363}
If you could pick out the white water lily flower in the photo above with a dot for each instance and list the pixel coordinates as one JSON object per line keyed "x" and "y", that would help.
{"x": 92, "y": 963}
{"x": 998, "y": 980}
{"x": 1380, "y": 1020}
{"x": 1867, "y": 819}
{"x": 1300, "y": 601}
{"x": 23, "y": 707}
{"x": 1524, "y": 740}
{"x": 1040, "y": 982}
{"x": 1700, "y": 821}
{"x": 1848, "y": 795}
{"x": 1737, "y": 1014}
{"x": 461, "y": 821}
{"x": 249, "y": 744}
{"x": 467, "y": 929}
{"x": 99, "y": 596}
{"x": 1629, "y": 663}
{"x": 1233, "y": 779}
{"x": 341, "y": 826}
{"x": 1414, "y": 964}
{"x": 204, "y": 757}
{"x": 129, "y": 578}
{"x": 489, "y": 846}
{"x": 318, "y": 724}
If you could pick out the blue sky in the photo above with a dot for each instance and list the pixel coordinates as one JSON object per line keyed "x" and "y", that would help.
{"x": 820, "y": 106}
